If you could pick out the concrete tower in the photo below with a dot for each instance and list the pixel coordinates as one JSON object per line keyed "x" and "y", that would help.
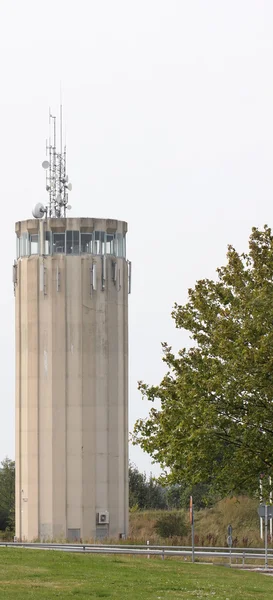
{"x": 71, "y": 281}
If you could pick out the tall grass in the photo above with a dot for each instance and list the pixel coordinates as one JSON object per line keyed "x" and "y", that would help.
{"x": 210, "y": 525}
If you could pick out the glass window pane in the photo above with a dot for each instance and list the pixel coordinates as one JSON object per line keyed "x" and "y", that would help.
{"x": 103, "y": 236}
{"x": 110, "y": 243}
{"x": 76, "y": 242}
{"x": 72, "y": 242}
{"x": 34, "y": 244}
{"x": 17, "y": 247}
{"x": 58, "y": 243}
{"x": 86, "y": 243}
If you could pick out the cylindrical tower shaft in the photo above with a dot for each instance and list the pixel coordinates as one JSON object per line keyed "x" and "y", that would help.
{"x": 71, "y": 293}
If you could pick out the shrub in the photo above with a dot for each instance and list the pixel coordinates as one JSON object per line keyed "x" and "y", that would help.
{"x": 170, "y": 525}
{"x": 6, "y": 536}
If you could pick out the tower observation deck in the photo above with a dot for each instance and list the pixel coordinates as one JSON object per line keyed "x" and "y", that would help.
{"x": 71, "y": 281}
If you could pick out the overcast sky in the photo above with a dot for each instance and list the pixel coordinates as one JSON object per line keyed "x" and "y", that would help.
{"x": 168, "y": 108}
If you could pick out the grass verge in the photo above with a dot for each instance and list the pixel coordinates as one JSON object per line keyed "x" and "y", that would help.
{"x": 27, "y": 574}
{"x": 210, "y": 525}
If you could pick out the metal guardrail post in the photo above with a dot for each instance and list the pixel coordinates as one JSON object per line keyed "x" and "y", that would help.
{"x": 192, "y": 530}
{"x": 265, "y": 539}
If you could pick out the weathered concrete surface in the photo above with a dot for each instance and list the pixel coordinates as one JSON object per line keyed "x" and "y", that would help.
{"x": 71, "y": 391}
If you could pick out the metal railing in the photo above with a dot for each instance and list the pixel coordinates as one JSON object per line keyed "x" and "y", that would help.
{"x": 143, "y": 550}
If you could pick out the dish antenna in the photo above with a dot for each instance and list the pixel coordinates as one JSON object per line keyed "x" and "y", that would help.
{"x": 39, "y": 211}
{"x": 69, "y": 186}
{"x": 45, "y": 164}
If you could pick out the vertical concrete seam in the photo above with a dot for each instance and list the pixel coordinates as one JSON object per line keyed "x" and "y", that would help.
{"x": 19, "y": 383}
{"x": 82, "y": 405}
{"x": 126, "y": 388}
{"x": 106, "y": 335}
{"x": 65, "y": 389}
{"x": 38, "y": 395}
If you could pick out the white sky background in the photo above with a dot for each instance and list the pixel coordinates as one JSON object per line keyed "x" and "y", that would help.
{"x": 168, "y": 109}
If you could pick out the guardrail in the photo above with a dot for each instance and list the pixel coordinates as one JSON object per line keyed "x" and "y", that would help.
{"x": 162, "y": 551}
{"x": 133, "y": 546}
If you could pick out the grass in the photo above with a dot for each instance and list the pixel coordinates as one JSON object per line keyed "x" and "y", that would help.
{"x": 28, "y": 574}
{"x": 210, "y": 524}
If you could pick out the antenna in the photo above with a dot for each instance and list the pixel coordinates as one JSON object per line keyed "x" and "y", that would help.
{"x": 39, "y": 211}
{"x": 57, "y": 184}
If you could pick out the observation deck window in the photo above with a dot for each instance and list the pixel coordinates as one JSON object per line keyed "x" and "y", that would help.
{"x": 103, "y": 238}
{"x": 58, "y": 243}
{"x": 110, "y": 243}
{"x": 86, "y": 243}
{"x": 34, "y": 243}
{"x": 120, "y": 246}
{"x": 72, "y": 242}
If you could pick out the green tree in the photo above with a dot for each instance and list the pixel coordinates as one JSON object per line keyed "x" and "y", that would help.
{"x": 156, "y": 494}
{"x": 215, "y": 422}
{"x": 7, "y": 495}
{"x": 203, "y": 495}
{"x": 145, "y": 492}
{"x": 174, "y": 494}
{"x": 137, "y": 487}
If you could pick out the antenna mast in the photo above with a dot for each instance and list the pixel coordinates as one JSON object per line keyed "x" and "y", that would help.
{"x": 57, "y": 184}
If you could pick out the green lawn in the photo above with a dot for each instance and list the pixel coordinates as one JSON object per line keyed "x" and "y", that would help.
{"x": 26, "y": 574}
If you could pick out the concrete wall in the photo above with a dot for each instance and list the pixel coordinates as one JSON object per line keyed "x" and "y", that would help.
{"x": 71, "y": 393}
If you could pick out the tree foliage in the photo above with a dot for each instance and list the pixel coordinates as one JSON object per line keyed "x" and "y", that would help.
{"x": 148, "y": 493}
{"x": 145, "y": 492}
{"x": 7, "y": 495}
{"x": 215, "y": 421}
